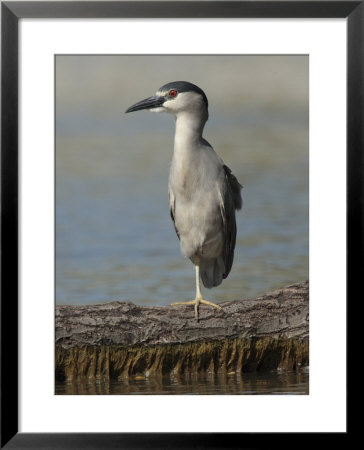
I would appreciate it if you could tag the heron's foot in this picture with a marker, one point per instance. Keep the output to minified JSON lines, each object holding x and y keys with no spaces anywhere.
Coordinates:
{"x":196,"y":303}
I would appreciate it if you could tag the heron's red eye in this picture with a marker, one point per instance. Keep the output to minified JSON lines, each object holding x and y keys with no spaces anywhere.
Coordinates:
{"x":172,"y":93}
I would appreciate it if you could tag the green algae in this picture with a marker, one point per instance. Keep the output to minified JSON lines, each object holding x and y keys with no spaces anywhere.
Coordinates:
{"x":206,"y":357}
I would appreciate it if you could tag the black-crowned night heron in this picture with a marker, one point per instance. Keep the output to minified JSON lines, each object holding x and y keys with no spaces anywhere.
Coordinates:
{"x":203,"y":193}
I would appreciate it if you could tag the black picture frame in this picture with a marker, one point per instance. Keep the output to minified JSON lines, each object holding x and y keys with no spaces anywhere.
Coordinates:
{"x":11,"y":12}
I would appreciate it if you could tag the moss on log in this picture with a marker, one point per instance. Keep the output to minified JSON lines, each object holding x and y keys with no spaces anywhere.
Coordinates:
{"x":119,"y":340}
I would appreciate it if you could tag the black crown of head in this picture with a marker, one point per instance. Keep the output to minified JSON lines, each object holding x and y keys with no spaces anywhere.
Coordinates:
{"x":184,"y":86}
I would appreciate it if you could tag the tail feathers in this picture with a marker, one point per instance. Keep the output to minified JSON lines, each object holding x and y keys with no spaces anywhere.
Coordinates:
{"x":212,"y":271}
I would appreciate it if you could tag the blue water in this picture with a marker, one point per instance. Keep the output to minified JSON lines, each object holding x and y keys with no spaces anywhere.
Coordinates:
{"x":114,"y":236}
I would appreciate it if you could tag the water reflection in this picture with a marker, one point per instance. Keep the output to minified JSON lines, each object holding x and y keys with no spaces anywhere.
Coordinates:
{"x":295,"y":383}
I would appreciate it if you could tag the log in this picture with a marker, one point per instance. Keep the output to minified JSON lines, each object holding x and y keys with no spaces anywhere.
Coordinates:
{"x":119,"y":340}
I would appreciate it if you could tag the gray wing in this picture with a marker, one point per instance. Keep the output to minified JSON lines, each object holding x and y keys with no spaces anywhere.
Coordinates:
{"x":235,"y":187}
{"x":172,"y":205}
{"x":230,"y":200}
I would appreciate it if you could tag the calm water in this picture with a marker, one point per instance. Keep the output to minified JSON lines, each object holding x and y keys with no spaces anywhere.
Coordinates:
{"x":288,"y":383}
{"x":114,"y":236}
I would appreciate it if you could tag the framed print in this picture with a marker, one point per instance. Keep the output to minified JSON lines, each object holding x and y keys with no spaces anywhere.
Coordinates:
{"x":90,"y":262}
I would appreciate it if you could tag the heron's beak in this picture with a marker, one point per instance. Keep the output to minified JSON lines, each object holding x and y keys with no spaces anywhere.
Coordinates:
{"x":147,"y":103}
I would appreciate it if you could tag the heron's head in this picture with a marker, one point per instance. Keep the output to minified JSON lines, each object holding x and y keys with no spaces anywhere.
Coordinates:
{"x":175,"y":98}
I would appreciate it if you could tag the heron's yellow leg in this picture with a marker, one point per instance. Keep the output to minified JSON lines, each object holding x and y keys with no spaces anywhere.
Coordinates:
{"x":199,"y":299}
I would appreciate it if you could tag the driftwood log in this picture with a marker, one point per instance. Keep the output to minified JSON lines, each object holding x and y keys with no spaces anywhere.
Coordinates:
{"x":120,"y":340}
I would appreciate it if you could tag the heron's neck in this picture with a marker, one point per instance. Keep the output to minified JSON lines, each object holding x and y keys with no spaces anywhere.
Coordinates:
{"x":188,"y":135}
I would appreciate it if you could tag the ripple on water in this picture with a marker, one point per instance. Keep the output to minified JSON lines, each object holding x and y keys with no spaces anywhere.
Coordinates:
{"x":255,"y":383}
